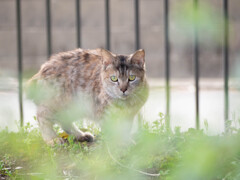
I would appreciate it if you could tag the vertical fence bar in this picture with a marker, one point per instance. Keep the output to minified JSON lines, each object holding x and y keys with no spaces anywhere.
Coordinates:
{"x":107,"y":19}
{"x":78,"y":23}
{"x":137,"y":29}
{"x":48,"y":20}
{"x":226,"y":63}
{"x":19,"y":50}
{"x":167,"y":61}
{"x":196,"y":62}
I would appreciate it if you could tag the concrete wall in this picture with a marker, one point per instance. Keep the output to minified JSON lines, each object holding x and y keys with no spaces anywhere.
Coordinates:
{"x":122,"y":34}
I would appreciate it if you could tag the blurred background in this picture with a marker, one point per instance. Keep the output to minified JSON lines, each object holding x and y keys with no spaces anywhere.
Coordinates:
{"x":123,"y":41}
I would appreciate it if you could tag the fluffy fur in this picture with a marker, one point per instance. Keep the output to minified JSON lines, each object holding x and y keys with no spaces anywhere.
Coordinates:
{"x":83,"y":77}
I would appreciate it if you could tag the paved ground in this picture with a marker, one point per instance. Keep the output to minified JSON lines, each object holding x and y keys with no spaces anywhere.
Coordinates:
{"x":182,"y":105}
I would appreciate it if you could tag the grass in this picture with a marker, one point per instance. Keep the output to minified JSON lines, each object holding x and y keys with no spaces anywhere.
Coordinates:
{"x":173,"y":155}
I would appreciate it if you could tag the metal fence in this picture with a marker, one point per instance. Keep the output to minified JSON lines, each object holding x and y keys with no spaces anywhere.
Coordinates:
{"x":225,"y":37}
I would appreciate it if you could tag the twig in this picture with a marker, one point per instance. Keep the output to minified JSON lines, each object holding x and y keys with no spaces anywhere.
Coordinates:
{"x":120,"y":164}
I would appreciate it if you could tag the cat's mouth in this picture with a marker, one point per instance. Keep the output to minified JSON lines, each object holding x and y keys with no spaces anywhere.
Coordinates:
{"x":123,"y":96}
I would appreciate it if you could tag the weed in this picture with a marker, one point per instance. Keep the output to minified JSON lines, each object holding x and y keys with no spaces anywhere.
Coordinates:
{"x":173,"y":155}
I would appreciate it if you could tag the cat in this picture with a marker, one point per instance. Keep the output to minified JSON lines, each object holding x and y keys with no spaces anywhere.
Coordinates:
{"x":97,"y":78}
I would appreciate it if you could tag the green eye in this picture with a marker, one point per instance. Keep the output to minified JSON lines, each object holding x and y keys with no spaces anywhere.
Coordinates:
{"x":132,"y":78}
{"x":114,"y":78}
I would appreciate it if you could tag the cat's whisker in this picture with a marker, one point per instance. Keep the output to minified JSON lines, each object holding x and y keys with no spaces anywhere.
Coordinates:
{"x":136,"y":96}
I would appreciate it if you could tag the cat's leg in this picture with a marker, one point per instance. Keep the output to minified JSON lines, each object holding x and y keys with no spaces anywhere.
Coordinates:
{"x":71,"y":129}
{"x":46,"y":126}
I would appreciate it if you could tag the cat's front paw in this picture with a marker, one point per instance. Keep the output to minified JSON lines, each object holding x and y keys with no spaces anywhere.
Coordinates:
{"x":86,"y":137}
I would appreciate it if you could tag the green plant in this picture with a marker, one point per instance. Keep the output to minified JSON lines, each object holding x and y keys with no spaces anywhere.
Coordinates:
{"x":156,"y":151}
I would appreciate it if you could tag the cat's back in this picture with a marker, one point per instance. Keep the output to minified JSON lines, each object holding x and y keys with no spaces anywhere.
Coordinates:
{"x":71,"y":63}
{"x":71,"y":71}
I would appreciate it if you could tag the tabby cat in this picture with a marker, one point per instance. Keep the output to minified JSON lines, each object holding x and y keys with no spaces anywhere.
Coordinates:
{"x":94,"y":80}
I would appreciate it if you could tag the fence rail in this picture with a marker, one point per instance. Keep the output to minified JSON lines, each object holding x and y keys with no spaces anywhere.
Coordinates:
{"x":49,"y":29}
{"x":107,"y":19}
{"x":19,"y":50}
{"x":196,"y":62}
{"x":137,"y":46}
{"x":78,"y":22}
{"x":226,"y":62}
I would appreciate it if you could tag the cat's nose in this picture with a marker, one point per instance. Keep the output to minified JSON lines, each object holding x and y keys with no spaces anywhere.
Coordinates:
{"x":123,"y":89}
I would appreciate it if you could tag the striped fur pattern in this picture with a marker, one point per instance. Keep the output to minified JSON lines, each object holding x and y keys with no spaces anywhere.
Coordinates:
{"x":83,"y":77}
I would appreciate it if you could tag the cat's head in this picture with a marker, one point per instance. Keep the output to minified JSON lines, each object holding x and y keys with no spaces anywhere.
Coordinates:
{"x":122,"y":74}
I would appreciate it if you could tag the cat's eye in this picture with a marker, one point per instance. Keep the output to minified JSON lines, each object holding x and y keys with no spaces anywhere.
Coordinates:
{"x":132,"y":78}
{"x":114,"y":78}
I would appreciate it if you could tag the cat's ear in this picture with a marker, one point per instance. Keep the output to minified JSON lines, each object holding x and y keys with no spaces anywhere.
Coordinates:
{"x":107,"y":57}
{"x":138,"y":58}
